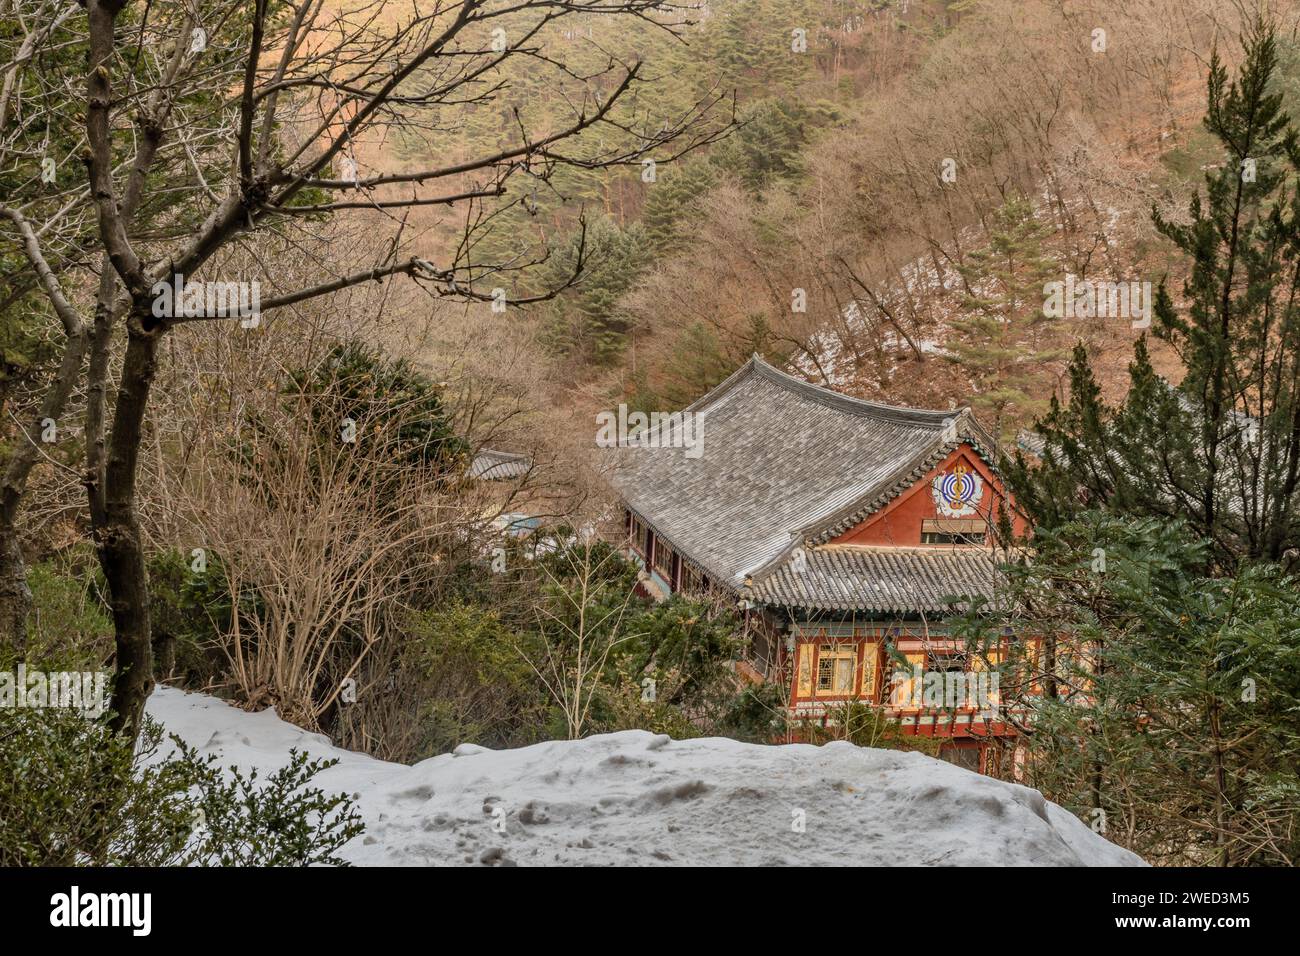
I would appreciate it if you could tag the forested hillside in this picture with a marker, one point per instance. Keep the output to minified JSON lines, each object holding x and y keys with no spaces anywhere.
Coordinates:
{"x":834,"y":226}
{"x":474,"y":225}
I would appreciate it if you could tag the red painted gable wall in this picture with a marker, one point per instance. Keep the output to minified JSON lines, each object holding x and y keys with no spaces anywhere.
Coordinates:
{"x":899,"y":522}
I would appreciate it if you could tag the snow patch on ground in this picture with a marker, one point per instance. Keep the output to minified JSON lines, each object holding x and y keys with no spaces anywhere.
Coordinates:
{"x":637,"y":798}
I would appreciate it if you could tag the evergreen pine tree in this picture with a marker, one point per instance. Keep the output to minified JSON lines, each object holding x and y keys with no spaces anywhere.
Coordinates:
{"x":588,"y":321}
{"x":1004,"y":341}
{"x":1164,"y":700}
{"x":669,"y":201}
{"x":1222,"y":447}
{"x":1171,"y":723}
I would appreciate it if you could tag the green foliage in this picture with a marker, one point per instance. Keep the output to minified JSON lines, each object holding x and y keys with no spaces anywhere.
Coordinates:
{"x":1170,"y":699}
{"x":751,"y":45}
{"x":668,"y":205}
{"x":757,"y":714}
{"x":282,"y":822}
{"x":666,"y":665}
{"x":570,"y":644}
{"x":44,"y":123}
{"x":684,"y":644}
{"x":866,"y":726}
{"x":766,"y":149}
{"x":1221,"y":448}
{"x":743,"y":47}
{"x":1003,"y":340}
{"x":588,"y":321}
{"x":623,"y":704}
{"x":700,"y":361}
{"x":68,"y":627}
{"x":389,"y":401}
{"x":613,"y":575}
{"x":25,"y":348}
{"x":27,"y":323}
{"x":1175,"y":707}
{"x":642,"y":397}
{"x":670,"y":673}
{"x":1286,"y":78}
{"x":474,"y":685}
{"x":187,"y":611}
{"x":75,"y":795}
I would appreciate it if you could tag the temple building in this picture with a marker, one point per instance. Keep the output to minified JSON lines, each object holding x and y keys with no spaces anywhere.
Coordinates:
{"x":842,"y":527}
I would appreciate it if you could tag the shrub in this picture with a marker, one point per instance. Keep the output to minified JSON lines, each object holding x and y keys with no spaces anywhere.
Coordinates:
{"x":67,"y":623}
{"x":188,"y":612}
{"x":473,"y":684}
{"x":75,"y":794}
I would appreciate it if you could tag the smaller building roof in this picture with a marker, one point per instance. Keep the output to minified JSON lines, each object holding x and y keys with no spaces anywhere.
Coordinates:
{"x":493,"y":465}
{"x":876,"y":579}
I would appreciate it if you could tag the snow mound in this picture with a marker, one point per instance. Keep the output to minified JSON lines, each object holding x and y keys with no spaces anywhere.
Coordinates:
{"x":637,"y":798}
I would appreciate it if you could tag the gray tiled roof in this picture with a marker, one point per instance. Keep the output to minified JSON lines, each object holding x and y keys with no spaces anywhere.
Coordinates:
{"x":491,"y":465}
{"x":1031,"y":442}
{"x":783,"y":463}
{"x":846,"y":578}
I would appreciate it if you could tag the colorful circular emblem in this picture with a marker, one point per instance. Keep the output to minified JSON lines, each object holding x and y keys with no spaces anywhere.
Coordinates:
{"x":957,"y":493}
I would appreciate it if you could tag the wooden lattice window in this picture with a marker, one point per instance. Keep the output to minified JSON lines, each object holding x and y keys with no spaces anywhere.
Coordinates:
{"x":663,"y":559}
{"x":835,"y":671}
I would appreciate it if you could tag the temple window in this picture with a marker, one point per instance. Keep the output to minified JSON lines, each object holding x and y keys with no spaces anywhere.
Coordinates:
{"x":637,"y":532}
{"x":835,"y":669}
{"x":663,"y":559}
{"x":953,"y":530}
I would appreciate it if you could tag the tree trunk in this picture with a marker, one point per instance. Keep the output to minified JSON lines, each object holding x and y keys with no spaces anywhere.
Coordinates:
{"x":117,"y":532}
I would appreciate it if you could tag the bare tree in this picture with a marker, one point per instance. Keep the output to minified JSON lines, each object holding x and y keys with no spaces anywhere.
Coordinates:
{"x":577,"y":634}
{"x":319,"y":539}
{"x":265,"y":105}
